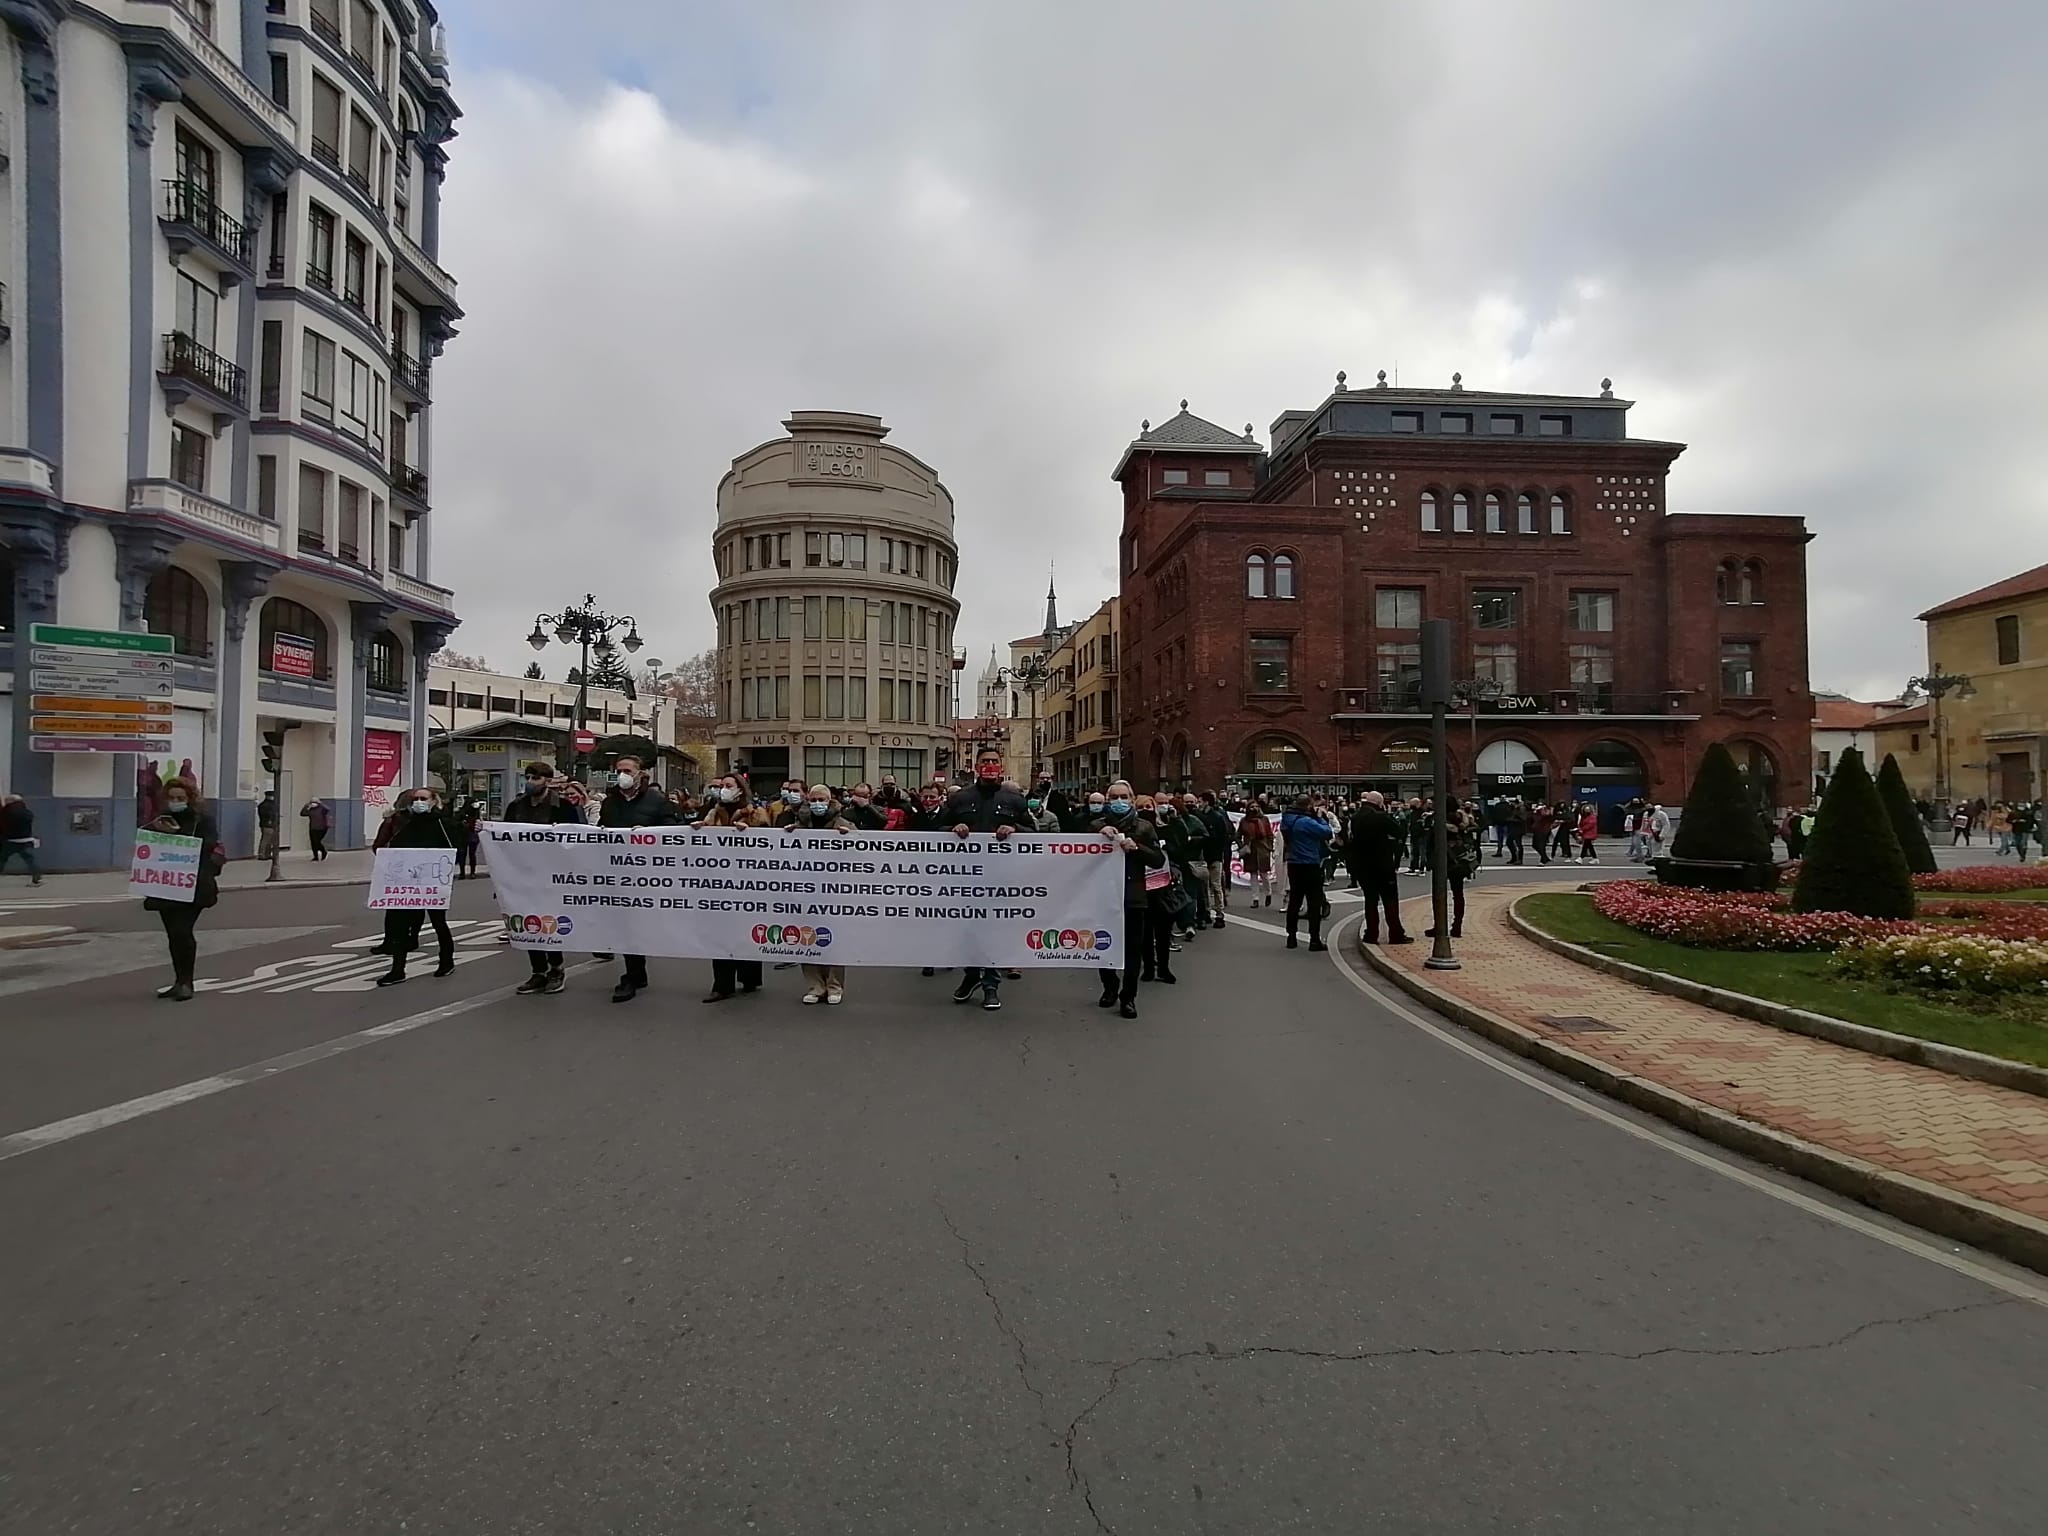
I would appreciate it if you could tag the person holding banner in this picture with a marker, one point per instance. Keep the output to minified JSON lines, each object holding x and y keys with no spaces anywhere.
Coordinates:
{"x":986,"y":807}
{"x":542,"y":805}
{"x":731,"y":807}
{"x":821,"y":813}
{"x":417,"y":823}
{"x":184,"y":817}
{"x":1122,"y":825}
{"x":631,"y":802}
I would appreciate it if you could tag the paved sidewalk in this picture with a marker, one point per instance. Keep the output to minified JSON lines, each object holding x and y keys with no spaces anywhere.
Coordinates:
{"x":1911,"y":1125}
{"x":343,"y":867}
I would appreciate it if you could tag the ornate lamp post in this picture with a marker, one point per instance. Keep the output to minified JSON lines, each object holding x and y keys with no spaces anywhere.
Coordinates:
{"x":1936,"y":685}
{"x":1031,"y":676}
{"x":590,"y":627}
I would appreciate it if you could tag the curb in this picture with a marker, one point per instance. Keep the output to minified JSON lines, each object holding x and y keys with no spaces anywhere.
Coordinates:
{"x":1952,"y":1059}
{"x":1966,"y":1219}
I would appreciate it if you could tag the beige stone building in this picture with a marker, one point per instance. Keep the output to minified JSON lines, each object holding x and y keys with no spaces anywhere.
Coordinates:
{"x":836,"y":561}
{"x":1988,"y":736}
{"x":1081,"y":727}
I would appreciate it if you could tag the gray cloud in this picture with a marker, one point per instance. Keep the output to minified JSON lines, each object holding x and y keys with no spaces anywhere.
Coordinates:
{"x":1805,"y":239}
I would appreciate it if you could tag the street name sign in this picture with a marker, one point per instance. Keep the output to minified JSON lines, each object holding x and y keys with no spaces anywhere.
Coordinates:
{"x":99,"y":690}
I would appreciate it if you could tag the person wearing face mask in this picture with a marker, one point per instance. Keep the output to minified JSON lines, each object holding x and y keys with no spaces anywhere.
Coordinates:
{"x":184,"y":815}
{"x":788,"y":805}
{"x":930,"y":814}
{"x":542,"y":805}
{"x":1178,"y":839}
{"x":984,"y":807}
{"x":821,"y":813}
{"x":731,"y":807}
{"x":1120,"y":823}
{"x":1155,"y":953}
{"x":1039,"y":815}
{"x":633,"y":802}
{"x":417,"y":823}
{"x":862,"y":810}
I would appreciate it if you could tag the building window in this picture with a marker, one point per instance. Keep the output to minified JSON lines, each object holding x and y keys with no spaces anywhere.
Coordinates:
{"x":1407,"y":421}
{"x":814,"y":549}
{"x":2008,"y":627}
{"x":320,"y":248}
{"x":1429,"y":513}
{"x":266,"y":486}
{"x":1738,"y":668}
{"x":814,"y":698}
{"x":1457,"y":423}
{"x":281,"y":80}
{"x":188,"y":456}
{"x":282,"y":616}
{"x":1272,"y":664}
{"x":349,"y":525}
{"x":904,"y":764}
{"x":1591,"y":670}
{"x":198,"y":310}
{"x":1505,"y":425}
{"x":1560,"y":513}
{"x":326,"y":121}
{"x":358,"y":407}
{"x":1215,"y":477}
{"x":1461,"y":513}
{"x":201,"y":12}
{"x":316,"y":378}
{"x":1553,"y":426}
{"x":1591,"y":611}
{"x":1397,"y":674}
{"x":355,"y":262}
{"x":836,"y":767}
{"x":1494,"y":514}
{"x":1496,"y":608}
{"x":1283,"y":575}
{"x":1175,"y":477}
{"x":177,"y":606}
{"x":1397,"y":608}
{"x":386,"y":672}
{"x":1739,"y":584}
{"x":1525,"y":513}
{"x":270,"y":375}
{"x":1495,"y":660}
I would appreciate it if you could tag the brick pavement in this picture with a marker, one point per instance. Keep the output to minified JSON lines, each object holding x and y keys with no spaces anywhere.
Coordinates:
{"x":1986,"y":1142}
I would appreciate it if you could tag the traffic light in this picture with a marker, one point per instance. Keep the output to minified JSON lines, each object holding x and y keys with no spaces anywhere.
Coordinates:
{"x":273,"y":753}
{"x":942,"y":758}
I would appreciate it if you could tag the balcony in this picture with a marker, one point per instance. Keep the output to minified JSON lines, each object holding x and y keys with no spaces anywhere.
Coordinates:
{"x":408,"y":483}
{"x":206,"y":518}
{"x":326,"y":153}
{"x":190,"y":371}
{"x":223,"y":90}
{"x":320,"y":277}
{"x":409,"y":373}
{"x":192,"y":220}
{"x":326,"y":28}
{"x":429,"y":277}
{"x":360,"y":180}
{"x":1369,"y":703}
{"x":424,"y":594}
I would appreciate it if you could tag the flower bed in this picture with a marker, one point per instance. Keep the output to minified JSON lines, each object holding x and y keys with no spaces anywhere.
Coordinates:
{"x":1734,"y":919}
{"x":1960,"y":962}
{"x":1985,"y":878}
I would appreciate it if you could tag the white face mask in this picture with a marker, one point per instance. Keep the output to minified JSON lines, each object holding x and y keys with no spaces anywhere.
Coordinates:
{"x":821,"y":807}
{"x":421,"y":807}
{"x":178,"y":805}
{"x":792,"y":797}
{"x":728,"y":794}
{"x":625,"y":778}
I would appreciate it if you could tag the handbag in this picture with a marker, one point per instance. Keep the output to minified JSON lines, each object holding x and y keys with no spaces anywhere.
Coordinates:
{"x":1158,"y":879}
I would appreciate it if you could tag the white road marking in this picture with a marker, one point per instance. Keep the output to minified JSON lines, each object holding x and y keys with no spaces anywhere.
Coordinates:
{"x":20,"y":1143}
{"x":344,"y":967}
{"x":1925,"y":1248}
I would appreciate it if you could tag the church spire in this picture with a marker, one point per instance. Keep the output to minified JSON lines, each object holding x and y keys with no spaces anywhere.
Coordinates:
{"x":1052,"y":611}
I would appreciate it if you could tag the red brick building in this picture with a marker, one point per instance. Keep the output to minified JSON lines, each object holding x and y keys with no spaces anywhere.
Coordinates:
{"x":1273,"y":597}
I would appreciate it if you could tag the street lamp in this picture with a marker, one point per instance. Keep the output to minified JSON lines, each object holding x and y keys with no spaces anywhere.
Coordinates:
{"x":1471,"y":692}
{"x":1031,"y":676}
{"x":1937,"y":685}
{"x":590,"y":627}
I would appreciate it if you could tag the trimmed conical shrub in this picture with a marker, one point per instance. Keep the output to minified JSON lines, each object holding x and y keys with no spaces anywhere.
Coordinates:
{"x":1853,"y":862}
{"x":1720,"y":820}
{"x":1907,"y":826}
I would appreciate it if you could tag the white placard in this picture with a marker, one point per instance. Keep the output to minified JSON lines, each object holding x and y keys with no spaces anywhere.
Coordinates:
{"x":412,"y":879}
{"x":1033,"y":902}
{"x":165,"y":865}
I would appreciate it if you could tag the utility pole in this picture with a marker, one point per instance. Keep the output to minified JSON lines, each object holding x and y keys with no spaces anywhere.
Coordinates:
{"x":1437,"y":691}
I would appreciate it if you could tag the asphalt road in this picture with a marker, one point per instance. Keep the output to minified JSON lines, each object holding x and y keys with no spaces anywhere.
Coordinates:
{"x":1273,"y":1258}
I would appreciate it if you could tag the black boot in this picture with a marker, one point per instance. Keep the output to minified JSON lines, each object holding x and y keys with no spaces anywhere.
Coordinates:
{"x":447,"y":965}
{"x":392,"y":977}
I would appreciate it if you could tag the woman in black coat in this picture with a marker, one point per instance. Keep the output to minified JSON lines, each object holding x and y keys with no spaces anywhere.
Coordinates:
{"x":418,"y":822}
{"x":186,"y":816}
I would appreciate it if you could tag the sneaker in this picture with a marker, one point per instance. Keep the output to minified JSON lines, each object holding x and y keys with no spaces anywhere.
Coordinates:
{"x":625,"y":992}
{"x":390,"y":978}
{"x":1318,"y":947}
{"x":557,"y":980}
{"x":813,"y":996}
{"x":964,"y":993}
{"x":991,"y":1002}
{"x":719,"y":997}
{"x":1291,"y":944}
{"x":530,"y":986}
{"x":834,"y":997}
{"x":1127,"y":1011}
{"x":1219,"y":921}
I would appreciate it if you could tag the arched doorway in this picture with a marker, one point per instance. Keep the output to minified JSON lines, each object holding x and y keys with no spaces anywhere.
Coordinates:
{"x":1760,"y":771}
{"x":1273,"y":756}
{"x":1608,"y":774}
{"x":1403,"y":768}
{"x":1511,"y":767}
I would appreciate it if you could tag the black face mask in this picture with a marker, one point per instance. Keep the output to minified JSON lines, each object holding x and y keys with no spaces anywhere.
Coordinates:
{"x":536,"y":786}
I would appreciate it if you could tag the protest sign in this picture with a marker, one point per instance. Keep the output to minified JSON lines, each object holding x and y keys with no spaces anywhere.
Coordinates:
{"x":165,"y":865}
{"x":411,"y":879}
{"x":1033,"y":902}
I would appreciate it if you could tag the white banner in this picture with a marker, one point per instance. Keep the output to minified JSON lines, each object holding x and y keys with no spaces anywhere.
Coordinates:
{"x":165,"y":865}
{"x":412,"y":879}
{"x":1037,"y":901}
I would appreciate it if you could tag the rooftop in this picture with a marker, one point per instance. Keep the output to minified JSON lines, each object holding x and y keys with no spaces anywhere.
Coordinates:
{"x":1851,"y":714}
{"x":2026,"y":584}
{"x":1188,"y":433}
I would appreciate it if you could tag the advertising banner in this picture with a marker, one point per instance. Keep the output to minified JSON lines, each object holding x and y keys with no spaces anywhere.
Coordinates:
{"x":383,"y":759}
{"x":165,"y":865}
{"x":291,"y":655}
{"x":411,"y":879}
{"x":1032,"y":902}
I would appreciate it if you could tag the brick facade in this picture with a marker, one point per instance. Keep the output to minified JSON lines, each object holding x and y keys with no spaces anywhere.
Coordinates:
{"x":1336,"y":511}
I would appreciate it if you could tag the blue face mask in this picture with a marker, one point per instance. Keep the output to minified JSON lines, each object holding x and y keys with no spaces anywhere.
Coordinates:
{"x":791,"y":797}
{"x":1119,"y":807}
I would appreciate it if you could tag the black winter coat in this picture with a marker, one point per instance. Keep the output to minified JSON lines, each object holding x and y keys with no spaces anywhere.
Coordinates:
{"x":649,"y":808}
{"x":1149,"y":855}
{"x":207,"y":892}
{"x":984,"y":810}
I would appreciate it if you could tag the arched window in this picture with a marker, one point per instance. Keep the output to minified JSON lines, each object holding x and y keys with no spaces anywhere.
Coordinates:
{"x":387,"y":663}
{"x":1560,"y":513}
{"x":1749,"y":584}
{"x":1283,"y":575}
{"x":177,"y":606}
{"x":1270,"y":756}
{"x":1461,"y":513}
{"x":301,"y":630}
{"x":1494,"y":514}
{"x":1728,"y":584}
{"x":1429,"y":513}
{"x":1255,"y":575}
{"x":1525,"y":513}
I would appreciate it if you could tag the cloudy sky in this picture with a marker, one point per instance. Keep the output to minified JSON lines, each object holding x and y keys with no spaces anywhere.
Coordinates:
{"x":1807,"y":239}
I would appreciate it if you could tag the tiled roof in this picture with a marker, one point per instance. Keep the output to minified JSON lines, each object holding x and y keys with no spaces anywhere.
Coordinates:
{"x":1849,"y":715}
{"x":1917,"y":715}
{"x":1188,"y":430}
{"x":2026,"y":584}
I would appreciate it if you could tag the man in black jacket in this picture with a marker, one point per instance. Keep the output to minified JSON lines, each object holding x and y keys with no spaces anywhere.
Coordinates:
{"x":632,"y":802}
{"x":1374,"y":846}
{"x":984,"y":807}
{"x":1217,"y":837}
{"x":542,"y":806}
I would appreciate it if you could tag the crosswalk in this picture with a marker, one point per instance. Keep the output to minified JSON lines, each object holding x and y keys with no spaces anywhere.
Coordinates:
{"x":12,"y":905}
{"x":348,"y":967}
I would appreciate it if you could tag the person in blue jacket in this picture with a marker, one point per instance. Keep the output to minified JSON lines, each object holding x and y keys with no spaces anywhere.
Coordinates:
{"x":1305,"y":836}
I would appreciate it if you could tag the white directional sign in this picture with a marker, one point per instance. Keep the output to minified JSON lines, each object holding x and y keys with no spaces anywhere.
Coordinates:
{"x":99,"y":690}
{"x":102,"y":685}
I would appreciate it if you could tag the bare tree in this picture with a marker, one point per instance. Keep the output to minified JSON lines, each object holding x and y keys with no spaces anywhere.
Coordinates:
{"x":692,"y":684}
{"x":460,"y":661}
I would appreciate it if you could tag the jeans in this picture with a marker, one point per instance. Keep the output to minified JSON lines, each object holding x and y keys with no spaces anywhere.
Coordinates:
{"x":1586,"y":849}
{"x":1638,"y":847}
{"x":1154,"y":939}
{"x":180,"y":918}
{"x":1198,"y":886}
{"x":1305,"y":888}
{"x":266,"y":842}
{"x":1561,"y":845}
{"x":1418,"y":851}
{"x":23,"y":851}
{"x":728,"y":976}
{"x":1137,"y":957}
{"x":1514,"y":845}
{"x":1382,"y":889}
{"x":2019,"y":844}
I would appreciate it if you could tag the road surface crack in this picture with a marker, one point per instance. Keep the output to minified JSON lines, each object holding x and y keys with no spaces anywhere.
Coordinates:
{"x":1003,"y":1324}
{"x":1024,"y":1054}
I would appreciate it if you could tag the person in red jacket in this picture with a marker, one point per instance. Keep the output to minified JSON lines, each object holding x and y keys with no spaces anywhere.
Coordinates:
{"x":1589,"y":829}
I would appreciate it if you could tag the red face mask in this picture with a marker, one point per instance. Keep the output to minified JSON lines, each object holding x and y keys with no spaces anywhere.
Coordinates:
{"x":989,"y":773}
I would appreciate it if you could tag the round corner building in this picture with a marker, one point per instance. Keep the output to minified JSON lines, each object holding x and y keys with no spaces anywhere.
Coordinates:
{"x":835,"y":608}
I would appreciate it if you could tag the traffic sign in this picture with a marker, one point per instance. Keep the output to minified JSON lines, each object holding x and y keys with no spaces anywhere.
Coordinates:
{"x":586,"y":741}
{"x":99,"y":639}
{"x":148,"y":746}
{"x":100,"y":685}
{"x":100,"y":690}
{"x":78,"y":658}
{"x":78,"y":704}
